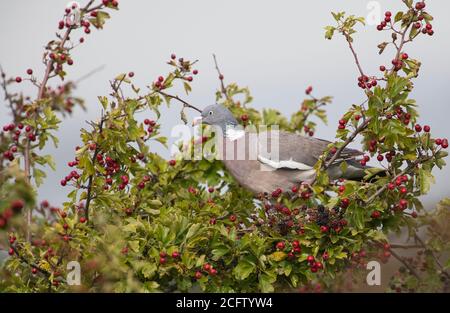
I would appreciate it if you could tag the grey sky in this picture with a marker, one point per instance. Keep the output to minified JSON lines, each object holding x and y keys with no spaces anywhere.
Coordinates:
{"x":276,"y":48}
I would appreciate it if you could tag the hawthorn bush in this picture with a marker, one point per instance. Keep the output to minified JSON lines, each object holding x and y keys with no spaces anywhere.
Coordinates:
{"x":137,"y":222}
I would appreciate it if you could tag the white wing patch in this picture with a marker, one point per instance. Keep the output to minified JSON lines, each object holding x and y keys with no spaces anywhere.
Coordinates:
{"x":285,"y":164}
{"x":234,"y":134}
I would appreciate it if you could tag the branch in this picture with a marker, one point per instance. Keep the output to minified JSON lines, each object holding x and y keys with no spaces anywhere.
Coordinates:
{"x":406,"y":264}
{"x":223,"y":90}
{"x":355,"y":56}
{"x":91,"y":178}
{"x":360,"y":128}
{"x":408,"y":169}
{"x":436,"y":259}
{"x":185,"y":104}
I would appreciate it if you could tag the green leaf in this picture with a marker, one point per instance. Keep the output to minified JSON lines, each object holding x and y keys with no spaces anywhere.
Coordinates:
{"x":243,"y":269}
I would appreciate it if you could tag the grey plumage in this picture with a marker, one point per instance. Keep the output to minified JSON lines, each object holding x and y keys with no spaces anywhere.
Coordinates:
{"x":297,"y":156}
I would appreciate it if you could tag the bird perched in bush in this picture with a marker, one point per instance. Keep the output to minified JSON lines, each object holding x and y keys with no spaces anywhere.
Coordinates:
{"x":262,"y":171}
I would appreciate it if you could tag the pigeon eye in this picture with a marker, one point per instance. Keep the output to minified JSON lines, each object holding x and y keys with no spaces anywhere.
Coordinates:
{"x":210,"y":112}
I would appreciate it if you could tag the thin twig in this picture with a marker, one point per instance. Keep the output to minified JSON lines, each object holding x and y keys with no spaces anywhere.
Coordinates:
{"x":436,"y":259}
{"x":223,"y":90}
{"x":185,"y":104}
{"x":406,"y":264}
{"x":91,"y":177}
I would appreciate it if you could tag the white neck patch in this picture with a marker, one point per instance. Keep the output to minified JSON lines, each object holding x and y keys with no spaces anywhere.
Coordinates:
{"x":234,"y":134}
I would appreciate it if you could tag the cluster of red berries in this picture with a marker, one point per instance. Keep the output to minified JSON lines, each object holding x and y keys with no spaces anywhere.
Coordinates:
{"x":151,"y":124}
{"x":15,"y":207}
{"x":72,"y":175}
{"x":208,"y":269}
{"x":428,"y":29}
{"x":442,"y":142}
{"x":294,"y":248}
{"x":308,"y":131}
{"x":185,"y":67}
{"x":113,"y":3}
{"x":387,"y":19}
{"x":60,"y":59}
{"x":16,"y":131}
{"x":365,"y":82}
{"x":342,"y":123}
{"x":163,"y":256}
{"x":313,"y":264}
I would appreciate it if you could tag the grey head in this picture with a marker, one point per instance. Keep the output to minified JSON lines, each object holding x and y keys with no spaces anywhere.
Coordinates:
{"x":218,"y":115}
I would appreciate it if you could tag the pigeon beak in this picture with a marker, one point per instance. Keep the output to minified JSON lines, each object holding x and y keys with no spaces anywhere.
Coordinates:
{"x":197,"y":120}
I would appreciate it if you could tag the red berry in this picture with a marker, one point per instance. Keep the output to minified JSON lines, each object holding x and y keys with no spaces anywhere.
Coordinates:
{"x":63,"y":182}
{"x":324,"y":229}
{"x":198,"y":275}
{"x":444,"y":143}
{"x":232,"y":218}
{"x":195,"y":72}
{"x":388,"y":13}
{"x":29,"y":71}
{"x":34,"y":270}
{"x":162,"y":260}
{"x":418,"y":128}
{"x":244,"y":117}
{"x":11,"y":251}
{"x":130,"y":74}
{"x":382,"y":68}
{"x":426,"y":128}
{"x":172,"y":162}
{"x":18,"y":79}
{"x":160,"y":79}
{"x":345,"y":202}
{"x":280,"y":245}
{"x":403,"y":204}
{"x":173,"y":56}
{"x":380,"y":157}
{"x":175,"y":254}
{"x":391,"y":186}
{"x":213,"y":272}
{"x":405,"y":56}
{"x":375,"y":214}
{"x":309,"y":90}
{"x":206,"y":266}
{"x":296,"y":244}
{"x":310,"y":258}
{"x":82,"y":219}
{"x":341,"y":188}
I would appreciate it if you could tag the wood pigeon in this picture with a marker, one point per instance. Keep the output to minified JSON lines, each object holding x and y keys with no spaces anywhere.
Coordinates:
{"x":256,"y":170}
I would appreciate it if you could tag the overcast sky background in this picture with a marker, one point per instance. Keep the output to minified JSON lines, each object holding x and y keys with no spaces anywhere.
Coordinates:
{"x":276,"y":48}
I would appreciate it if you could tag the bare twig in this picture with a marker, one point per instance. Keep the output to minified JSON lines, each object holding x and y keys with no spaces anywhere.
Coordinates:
{"x":436,"y":259}
{"x":405,"y":263}
{"x":185,"y":104}
{"x":223,"y":90}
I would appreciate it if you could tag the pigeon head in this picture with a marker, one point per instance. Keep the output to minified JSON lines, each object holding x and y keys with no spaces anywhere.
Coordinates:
{"x":218,"y":115}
